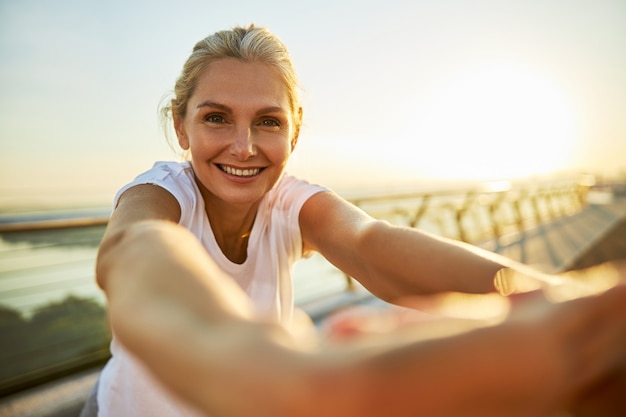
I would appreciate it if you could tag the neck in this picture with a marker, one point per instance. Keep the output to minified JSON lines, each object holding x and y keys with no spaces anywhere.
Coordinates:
{"x":231,"y":224}
{"x":231,"y":227}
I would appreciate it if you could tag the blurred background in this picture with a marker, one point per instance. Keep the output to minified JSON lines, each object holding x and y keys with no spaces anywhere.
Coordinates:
{"x":499,"y":123}
{"x":396,"y":94}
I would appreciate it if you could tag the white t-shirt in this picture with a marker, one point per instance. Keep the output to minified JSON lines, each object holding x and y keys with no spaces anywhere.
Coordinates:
{"x":275,"y":244}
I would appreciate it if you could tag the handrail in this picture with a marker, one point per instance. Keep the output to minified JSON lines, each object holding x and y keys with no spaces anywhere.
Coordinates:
{"x":526,"y":206}
{"x":573,"y":189}
{"x":503,"y":209}
{"x":49,"y":224}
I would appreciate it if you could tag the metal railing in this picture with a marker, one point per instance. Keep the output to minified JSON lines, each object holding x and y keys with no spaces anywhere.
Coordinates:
{"x":479,"y":214}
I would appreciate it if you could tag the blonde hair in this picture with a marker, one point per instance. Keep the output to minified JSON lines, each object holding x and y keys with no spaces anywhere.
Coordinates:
{"x":250,"y":44}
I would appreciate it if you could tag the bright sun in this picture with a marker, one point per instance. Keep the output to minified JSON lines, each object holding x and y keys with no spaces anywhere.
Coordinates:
{"x":497,"y":121}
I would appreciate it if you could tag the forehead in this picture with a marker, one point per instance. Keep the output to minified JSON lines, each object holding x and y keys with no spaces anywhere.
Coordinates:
{"x":237,"y":83}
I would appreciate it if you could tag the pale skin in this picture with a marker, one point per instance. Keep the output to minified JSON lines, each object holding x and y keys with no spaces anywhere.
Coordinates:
{"x":195,"y":329}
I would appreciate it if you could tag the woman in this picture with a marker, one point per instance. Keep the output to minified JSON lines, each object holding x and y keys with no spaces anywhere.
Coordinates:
{"x":196,"y":265}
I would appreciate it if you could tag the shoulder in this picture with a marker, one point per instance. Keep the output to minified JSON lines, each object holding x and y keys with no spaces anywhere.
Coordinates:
{"x":175,"y":177}
{"x":327,"y":217}
{"x":164,"y":169}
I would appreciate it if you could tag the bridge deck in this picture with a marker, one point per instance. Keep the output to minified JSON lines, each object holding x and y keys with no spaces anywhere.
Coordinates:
{"x":594,"y":235}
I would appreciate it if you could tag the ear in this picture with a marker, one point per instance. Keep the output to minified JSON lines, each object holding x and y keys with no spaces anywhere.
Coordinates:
{"x":296,"y":130}
{"x":179,"y":128}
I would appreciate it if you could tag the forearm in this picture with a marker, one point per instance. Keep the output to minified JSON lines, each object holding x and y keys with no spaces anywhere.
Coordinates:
{"x":488,"y":372}
{"x":405,"y":261}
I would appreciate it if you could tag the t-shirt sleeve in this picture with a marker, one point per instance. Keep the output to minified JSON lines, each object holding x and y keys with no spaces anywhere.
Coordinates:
{"x":169,"y":176}
{"x":294,"y":194}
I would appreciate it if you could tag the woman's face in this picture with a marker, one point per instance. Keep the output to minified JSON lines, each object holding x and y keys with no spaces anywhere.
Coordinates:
{"x":238,"y":129}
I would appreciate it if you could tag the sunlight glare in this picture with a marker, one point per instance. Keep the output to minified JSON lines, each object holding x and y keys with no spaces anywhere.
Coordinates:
{"x":500,"y":121}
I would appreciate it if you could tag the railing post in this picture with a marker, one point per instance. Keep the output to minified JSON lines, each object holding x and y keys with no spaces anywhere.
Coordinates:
{"x":349,"y":283}
{"x":460,"y":214}
{"x":519,"y":217}
{"x":420,"y":211}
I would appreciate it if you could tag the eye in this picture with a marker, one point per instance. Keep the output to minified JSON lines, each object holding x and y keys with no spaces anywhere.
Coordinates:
{"x":270,"y":122}
{"x":214,"y":118}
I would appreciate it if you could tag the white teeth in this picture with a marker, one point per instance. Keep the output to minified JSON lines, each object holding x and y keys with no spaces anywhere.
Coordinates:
{"x":241,"y":172}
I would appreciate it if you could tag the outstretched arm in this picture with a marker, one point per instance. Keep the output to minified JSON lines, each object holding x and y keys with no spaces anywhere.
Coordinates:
{"x":393,"y":261}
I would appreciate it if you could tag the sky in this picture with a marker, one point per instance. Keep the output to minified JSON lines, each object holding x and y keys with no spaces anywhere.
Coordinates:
{"x":395,"y":93}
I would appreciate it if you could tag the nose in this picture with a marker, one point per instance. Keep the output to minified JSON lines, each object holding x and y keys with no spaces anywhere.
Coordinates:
{"x":243,"y":146}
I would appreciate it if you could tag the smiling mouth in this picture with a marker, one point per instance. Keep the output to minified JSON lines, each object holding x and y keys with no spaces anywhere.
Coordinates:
{"x":237,"y":172}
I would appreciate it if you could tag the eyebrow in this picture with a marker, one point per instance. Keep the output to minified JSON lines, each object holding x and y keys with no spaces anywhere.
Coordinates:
{"x":213,"y":104}
{"x":223,"y":107}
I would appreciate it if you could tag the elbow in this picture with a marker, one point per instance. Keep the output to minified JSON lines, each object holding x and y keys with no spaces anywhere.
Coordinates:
{"x":400,"y":261}
{"x":378,"y":271}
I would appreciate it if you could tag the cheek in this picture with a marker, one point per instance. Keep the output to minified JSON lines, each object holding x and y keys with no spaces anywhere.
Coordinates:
{"x":276,"y":148}
{"x":203,"y":150}
{"x":283,"y":152}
